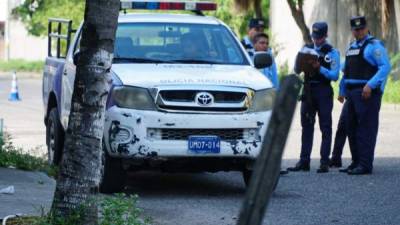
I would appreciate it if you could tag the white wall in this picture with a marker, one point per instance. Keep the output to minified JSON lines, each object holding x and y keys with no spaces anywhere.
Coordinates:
{"x":25,"y":46}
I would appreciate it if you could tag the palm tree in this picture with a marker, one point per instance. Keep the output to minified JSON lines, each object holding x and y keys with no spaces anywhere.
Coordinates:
{"x":79,"y":173}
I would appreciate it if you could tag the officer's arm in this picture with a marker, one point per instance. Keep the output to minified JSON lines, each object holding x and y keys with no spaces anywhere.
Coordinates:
{"x":333,"y":73}
{"x":342,"y":87}
{"x":379,"y":56}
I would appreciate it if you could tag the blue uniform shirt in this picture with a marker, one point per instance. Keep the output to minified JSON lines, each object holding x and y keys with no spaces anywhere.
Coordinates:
{"x":333,"y":72}
{"x":334,"y":57}
{"x":376,"y":54}
{"x":248,"y":45}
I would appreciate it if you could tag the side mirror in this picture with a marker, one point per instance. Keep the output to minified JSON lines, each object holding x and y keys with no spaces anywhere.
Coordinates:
{"x":262,"y":60}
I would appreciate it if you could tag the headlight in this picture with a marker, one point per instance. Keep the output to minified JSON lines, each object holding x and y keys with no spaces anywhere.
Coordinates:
{"x":263,"y":100}
{"x":133,"y":98}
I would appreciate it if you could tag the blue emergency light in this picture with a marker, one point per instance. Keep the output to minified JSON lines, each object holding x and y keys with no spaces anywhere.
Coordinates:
{"x":168,"y":5}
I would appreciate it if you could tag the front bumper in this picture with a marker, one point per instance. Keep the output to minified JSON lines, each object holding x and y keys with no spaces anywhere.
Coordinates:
{"x":139,"y":134}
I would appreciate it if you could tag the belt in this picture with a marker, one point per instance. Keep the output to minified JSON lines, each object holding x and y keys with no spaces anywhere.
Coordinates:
{"x":355,"y":86}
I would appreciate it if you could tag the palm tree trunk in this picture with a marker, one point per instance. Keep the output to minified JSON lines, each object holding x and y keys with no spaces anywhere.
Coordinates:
{"x":79,"y":173}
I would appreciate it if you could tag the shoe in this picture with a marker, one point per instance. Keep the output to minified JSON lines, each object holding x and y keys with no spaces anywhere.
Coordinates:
{"x":359,"y":170}
{"x":300,"y":166}
{"x":283,"y":172}
{"x":350,"y":167}
{"x":335,"y":163}
{"x":323,"y":168}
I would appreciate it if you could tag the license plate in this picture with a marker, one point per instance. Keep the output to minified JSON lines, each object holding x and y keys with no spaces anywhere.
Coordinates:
{"x":204,"y":144}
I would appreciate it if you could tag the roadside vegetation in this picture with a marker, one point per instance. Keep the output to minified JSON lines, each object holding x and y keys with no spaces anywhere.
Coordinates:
{"x":13,"y":157}
{"x":120,"y":209}
{"x":20,"y":65}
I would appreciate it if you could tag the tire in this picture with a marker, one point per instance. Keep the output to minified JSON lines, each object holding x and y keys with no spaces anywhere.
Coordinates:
{"x":247,"y":176}
{"x":112,"y":174}
{"x":54,"y":138}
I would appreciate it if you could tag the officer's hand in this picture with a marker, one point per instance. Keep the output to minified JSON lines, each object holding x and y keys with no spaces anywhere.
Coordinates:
{"x":366,"y":94}
{"x":316,"y":65}
{"x":340,"y":99}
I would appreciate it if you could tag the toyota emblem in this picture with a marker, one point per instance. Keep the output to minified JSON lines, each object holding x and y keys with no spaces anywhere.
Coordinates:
{"x":204,"y":98}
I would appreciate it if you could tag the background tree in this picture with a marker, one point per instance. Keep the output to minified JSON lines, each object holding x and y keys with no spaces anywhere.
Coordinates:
{"x":79,"y":175}
{"x":296,"y":8}
{"x":35,"y":13}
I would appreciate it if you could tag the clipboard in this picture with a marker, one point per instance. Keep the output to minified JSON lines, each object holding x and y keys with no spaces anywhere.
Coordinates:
{"x":304,"y":63}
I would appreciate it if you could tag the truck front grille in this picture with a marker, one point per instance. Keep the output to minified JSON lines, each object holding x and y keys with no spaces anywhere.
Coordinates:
{"x":183,"y":134}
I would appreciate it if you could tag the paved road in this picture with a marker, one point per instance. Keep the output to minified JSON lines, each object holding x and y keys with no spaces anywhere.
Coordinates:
{"x":194,"y":199}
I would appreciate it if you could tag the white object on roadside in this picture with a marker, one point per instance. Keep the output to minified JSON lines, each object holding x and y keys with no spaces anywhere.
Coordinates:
{"x":7,"y":190}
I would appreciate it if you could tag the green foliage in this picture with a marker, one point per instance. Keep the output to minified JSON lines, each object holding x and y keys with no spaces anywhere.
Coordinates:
{"x":35,"y":13}
{"x":11,"y":156}
{"x":121,"y":209}
{"x":235,"y":20}
{"x":392,"y":91}
{"x":21,"y":65}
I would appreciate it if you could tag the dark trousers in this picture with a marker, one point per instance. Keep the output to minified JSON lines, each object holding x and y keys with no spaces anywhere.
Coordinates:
{"x":341,"y":135}
{"x":363,"y":122}
{"x":321,"y":104}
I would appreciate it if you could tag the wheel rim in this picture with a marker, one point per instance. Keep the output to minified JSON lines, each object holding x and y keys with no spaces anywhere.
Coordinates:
{"x":52,"y":142}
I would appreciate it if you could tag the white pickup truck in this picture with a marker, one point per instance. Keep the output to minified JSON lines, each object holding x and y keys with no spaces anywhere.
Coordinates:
{"x":185,"y":97}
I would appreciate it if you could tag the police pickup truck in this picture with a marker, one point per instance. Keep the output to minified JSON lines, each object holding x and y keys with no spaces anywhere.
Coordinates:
{"x":185,"y":96}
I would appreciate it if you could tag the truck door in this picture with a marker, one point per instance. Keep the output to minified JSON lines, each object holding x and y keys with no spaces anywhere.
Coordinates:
{"x":68,"y":79}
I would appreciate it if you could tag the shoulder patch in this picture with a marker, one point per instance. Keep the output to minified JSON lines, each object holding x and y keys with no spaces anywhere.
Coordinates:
{"x":377,"y":52}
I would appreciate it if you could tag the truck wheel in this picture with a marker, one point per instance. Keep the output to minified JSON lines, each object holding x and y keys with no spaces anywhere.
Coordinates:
{"x":54,"y":138}
{"x":247,"y":175}
{"x":112,"y":174}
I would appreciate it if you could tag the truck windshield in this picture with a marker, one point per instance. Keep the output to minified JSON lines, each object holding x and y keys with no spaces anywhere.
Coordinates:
{"x":176,"y":43}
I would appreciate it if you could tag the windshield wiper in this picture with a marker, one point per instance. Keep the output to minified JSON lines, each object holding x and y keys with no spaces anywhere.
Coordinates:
{"x":138,"y":60}
{"x":196,"y":61}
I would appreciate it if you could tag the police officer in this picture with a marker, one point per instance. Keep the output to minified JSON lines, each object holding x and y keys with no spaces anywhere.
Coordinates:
{"x":261,"y":44}
{"x":255,"y":26}
{"x":318,"y":98}
{"x":366,"y":69}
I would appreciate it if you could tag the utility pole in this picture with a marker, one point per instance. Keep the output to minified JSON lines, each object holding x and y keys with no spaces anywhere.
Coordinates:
{"x":397,"y":14}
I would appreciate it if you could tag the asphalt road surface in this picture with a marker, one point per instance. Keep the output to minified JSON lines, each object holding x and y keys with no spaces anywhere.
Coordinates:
{"x":205,"y":198}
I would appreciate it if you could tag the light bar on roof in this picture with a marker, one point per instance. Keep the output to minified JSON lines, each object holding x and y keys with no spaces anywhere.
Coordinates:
{"x":169,"y":5}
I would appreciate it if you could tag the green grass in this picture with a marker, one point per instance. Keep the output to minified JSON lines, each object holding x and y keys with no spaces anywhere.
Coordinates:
{"x":21,"y":65}
{"x":11,"y":156}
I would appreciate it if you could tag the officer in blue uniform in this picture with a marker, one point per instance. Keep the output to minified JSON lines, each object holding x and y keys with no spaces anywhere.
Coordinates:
{"x":261,"y":44}
{"x":255,"y":26}
{"x":318,"y":98}
{"x":366,"y":69}
{"x":341,"y":134}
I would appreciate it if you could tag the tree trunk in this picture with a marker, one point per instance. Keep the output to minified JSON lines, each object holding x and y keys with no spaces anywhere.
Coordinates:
{"x":79,"y":174}
{"x":257,"y":9}
{"x":298,"y":16}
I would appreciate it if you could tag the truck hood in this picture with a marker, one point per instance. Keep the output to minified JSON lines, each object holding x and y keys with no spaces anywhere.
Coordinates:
{"x":154,"y":75}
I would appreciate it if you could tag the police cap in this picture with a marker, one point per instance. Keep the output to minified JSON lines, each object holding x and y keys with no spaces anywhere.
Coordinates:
{"x":319,"y":30}
{"x":256,"y":22}
{"x":358,"y":22}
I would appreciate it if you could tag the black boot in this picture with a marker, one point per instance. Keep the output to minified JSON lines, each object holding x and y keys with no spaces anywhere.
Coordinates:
{"x":303,"y":166}
{"x":350,"y":167}
{"x":323,"y":168}
{"x":335,"y":163}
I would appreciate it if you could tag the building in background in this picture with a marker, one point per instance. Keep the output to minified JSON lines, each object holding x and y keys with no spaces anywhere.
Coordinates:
{"x":15,"y":42}
{"x":336,"y":13}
